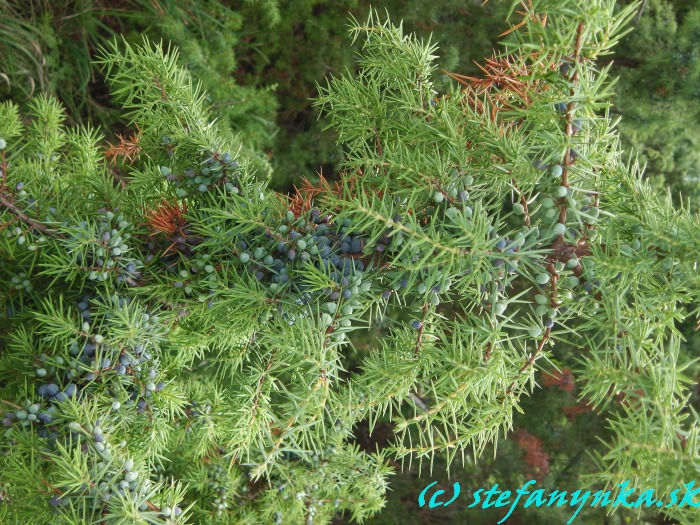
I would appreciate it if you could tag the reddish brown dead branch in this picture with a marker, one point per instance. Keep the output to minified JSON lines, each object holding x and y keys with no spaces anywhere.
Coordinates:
{"x":535,"y":456}
{"x":573,"y":411}
{"x":127,"y":148}
{"x":303,"y":199}
{"x":562,"y":379}
{"x":168,"y":219}
{"x":506,"y":84}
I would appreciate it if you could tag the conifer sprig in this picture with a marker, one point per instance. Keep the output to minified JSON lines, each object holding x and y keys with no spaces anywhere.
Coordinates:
{"x":179,"y":350}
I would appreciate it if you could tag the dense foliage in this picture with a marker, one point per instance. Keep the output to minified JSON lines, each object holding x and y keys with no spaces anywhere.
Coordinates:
{"x":658,"y":95}
{"x":49,"y":47}
{"x":181,"y":344}
{"x":259,"y":62}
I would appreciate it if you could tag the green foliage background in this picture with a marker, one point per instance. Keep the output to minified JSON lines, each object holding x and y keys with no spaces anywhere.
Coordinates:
{"x":260,"y":62}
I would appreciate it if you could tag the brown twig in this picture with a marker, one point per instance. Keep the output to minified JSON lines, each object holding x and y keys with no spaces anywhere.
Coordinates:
{"x":419,"y":339}
{"x":4,"y":201}
{"x":559,"y":242}
{"x":11,"y":404}
{"x":523,"y":201}
{"x":162,"y":91}
{"x":568,"y":161}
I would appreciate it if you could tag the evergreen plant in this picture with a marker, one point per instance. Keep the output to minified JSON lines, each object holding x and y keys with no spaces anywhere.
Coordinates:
{"x":177,"y":341}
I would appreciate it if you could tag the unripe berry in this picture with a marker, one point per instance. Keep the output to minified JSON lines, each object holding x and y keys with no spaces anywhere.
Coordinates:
{"x":518,"y":209}
{"x":559,"y":229}
{"x":572,"y":281}
{"x":541,"y":309}
{"x":535,"y":332}
{"x":542,"y":278}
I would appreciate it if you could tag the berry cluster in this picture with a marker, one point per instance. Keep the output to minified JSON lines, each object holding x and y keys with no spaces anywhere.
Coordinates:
{"x":120,"y":366}
{"x":217,"y":482}
{"x":94,"y":362}
{"x":217,"y":170}
{"x":110,"y":480}
{"x":278,"y":256}
{"x":279,"y":261}
{"x":102,"y":249}
{"x":36,"y":415}
{"x":21,"y":282}
{"x":456,"y":191}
